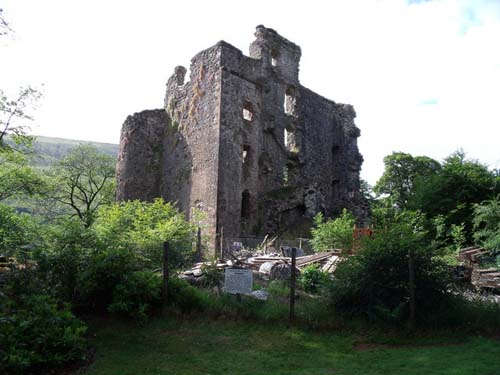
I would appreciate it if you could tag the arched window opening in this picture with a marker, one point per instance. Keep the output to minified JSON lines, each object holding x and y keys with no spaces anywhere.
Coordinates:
{"x":245,"y":205}
{"x":248,"y":111}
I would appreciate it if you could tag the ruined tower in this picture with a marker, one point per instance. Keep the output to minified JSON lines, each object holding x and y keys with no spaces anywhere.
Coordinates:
{"x":244,"y":142}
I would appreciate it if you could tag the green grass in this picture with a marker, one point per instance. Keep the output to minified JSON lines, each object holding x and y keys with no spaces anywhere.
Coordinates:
{"x":181,"y":347}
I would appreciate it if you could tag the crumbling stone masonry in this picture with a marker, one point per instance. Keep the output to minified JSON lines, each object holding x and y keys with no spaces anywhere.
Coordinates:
{"x":244,"y":142}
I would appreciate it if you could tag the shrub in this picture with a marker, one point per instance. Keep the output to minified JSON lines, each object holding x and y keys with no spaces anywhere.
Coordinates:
{"x":36,"y":333}
{"x":212,"y":276}
{"x":137,"y":295}
{"x":375,"y":283}
{"x":186,"y":297}
{"x":100,"y":273}
{"x":487,"y":224}
{"x":313,"y":279}
{"x":331,"y":234}
{"x":142,"y":227}
{"x":17,"y":231}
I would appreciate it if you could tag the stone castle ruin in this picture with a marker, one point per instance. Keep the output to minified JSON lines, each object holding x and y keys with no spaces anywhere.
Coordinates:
{"x":244,"y":142}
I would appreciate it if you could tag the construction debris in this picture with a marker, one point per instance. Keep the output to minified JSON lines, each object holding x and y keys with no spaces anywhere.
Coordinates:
{"x":273,"y":266}
{"x":481,"y":278}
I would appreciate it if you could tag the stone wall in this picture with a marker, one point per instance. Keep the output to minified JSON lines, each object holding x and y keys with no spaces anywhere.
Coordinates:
{"x":244,"y":142}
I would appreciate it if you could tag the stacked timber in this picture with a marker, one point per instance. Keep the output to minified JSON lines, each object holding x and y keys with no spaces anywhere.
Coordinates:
{"x":481,"y":278}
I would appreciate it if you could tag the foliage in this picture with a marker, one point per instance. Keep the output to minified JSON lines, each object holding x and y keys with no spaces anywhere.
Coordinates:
{"x":13,"y":115}
{"x":366,"y":191}
{"x":212,"y":276}
{"x":401,"y":172}
{"x":375,"y":282}
{"x":142,"y":228}
{"x":487,"y":224}
{"x":17,"y":177}
{"x":136,"y":295}
{"x":333,"y":234}
{"x":83,"y":181}
{"x":447,"y":240}
{"x":36,"y":334}
{"x":99,"y":273}
{"x":313,"y":279}
{"x":453,"y":191}
{"x":185,"y":297}
{"x":17,"y":231}
{"x":4,"y":25}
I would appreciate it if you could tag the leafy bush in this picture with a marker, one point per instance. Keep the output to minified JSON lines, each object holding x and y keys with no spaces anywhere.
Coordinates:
{"x":186,"y":297}
{"x":143,"y":227}
{"x":36,"y":334}
{"x":212,"y":276}
{"x":101,"y":272}
{"x":375,"y":282}
{"x":313,"y":279}
{"x":333,"y":234}
{"x":487,"y":224}
{"x":17,"y":232}
{"x":137,"y":295}
{"x":469,"y":316}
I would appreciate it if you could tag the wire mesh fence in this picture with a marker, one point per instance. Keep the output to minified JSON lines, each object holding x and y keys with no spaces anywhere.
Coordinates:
{"x":232,"y":247}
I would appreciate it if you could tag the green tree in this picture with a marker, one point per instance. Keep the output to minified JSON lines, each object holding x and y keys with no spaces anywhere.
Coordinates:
{"x":401,"y":172}
{"x":17,"y":231}
{"x":333,"y":234}
{"x":83,"y":181}
{"x":487,"y":224}
{"x":454,"y":190}
{"x":17,"y":177}
{"x":14,"y":115}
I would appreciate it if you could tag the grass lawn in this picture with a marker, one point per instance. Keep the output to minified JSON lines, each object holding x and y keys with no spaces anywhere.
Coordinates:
{"x":178,"y":347}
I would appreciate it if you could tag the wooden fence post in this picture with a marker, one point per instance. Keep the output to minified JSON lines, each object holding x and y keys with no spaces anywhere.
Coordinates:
{"x":166,"y":249}
{"x":292,"y":288}
{"x":198,"y":245}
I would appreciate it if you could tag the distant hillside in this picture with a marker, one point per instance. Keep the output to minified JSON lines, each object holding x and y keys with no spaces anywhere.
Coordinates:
{"x":49,"y":149}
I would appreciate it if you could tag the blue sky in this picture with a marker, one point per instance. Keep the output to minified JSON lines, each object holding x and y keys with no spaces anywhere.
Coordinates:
{"x":423,"y":76}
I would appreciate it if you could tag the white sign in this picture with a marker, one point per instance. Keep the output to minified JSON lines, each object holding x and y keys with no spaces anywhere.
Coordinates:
{"x":238,"y":281}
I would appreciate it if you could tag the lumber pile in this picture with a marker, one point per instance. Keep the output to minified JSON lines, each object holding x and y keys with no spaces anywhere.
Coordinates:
{"x":481,"y":278}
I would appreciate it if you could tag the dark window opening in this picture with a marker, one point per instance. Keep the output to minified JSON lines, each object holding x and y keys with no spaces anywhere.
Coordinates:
{"x":290,"y":101}
{"x":248,"y":111}
{"x":274,"y":57}
{"x":335,"y":152}
{"x":245,"y":204}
